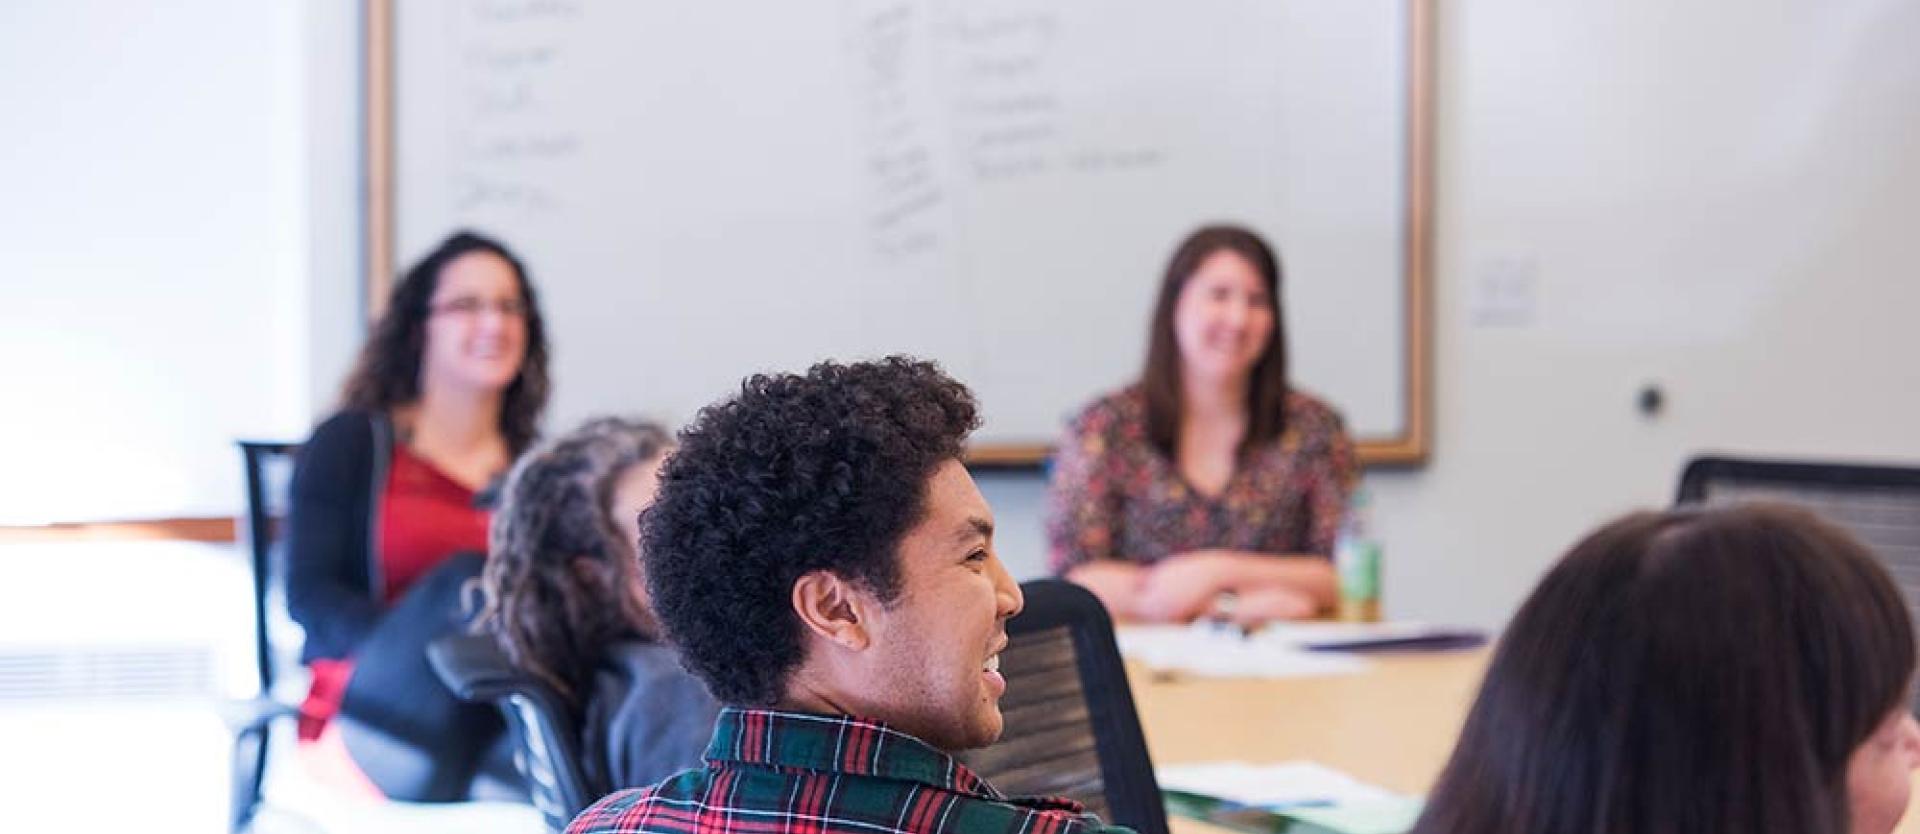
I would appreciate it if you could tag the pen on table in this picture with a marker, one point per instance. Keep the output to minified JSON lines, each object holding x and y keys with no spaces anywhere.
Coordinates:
{"x":1226,"y":626}
{"x":1219,"y":616}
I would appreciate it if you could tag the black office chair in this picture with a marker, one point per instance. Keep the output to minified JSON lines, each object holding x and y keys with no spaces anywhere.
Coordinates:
{"x":268,"y":468}
{"x":546,"y":739}
{"x":1877,"y":503}
{"x":1071,"y":729}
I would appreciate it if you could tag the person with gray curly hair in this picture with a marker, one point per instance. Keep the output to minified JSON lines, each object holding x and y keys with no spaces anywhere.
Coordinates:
{"x":566,"y":602}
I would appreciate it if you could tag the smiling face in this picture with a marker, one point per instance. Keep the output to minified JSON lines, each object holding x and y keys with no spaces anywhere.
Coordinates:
{"x":1223,"y":318}
{"x":936,"y":648}
{"x":1880,"y":774}
{"x":476,"y":325}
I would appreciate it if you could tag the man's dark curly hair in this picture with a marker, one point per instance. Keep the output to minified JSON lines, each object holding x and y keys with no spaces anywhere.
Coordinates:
{"x":796,"y":474}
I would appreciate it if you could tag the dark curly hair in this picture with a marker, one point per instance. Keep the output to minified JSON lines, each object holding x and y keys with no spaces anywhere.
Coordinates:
{"x":796,"y":474}
{"x":387,"y":374}
{"x":551,"y":616}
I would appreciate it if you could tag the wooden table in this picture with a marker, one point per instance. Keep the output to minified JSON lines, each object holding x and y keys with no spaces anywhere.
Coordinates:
{"x":1393,"y":725}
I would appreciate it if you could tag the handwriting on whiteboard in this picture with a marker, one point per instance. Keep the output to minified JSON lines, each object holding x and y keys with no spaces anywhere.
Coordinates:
{"x":509,"y":139}
{"x":907,"y":197}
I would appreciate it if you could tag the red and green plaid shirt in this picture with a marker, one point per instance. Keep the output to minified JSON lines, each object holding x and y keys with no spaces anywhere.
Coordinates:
{"x":792,"y":773}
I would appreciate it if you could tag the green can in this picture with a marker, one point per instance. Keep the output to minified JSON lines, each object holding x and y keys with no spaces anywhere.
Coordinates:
{"x":1358,"y":562}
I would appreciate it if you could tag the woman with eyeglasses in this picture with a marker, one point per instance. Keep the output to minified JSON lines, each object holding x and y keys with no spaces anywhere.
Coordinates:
{"x":389,"y":512}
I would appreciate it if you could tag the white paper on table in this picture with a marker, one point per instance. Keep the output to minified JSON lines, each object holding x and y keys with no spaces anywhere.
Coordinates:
{"x":1271,"y":786}
{"x":1212,"y":651}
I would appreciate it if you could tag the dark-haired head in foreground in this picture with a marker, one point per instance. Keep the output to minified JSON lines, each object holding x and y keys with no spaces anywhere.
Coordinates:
{"x":818,"y":545}
{"x":1741,"y":670}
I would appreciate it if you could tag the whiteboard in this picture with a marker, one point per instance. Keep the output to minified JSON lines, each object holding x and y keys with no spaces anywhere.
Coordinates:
{"x":706,"y":190}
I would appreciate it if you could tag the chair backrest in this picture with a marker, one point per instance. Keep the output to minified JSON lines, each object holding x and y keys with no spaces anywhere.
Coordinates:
{"x":1879,"y":504}
{"x":276,"y":639}
{"x":546,"y":737}
{"x":1071,"y":729}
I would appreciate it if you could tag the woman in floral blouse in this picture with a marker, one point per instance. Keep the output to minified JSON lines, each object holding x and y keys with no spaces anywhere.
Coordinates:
{"x":1211,"y":486}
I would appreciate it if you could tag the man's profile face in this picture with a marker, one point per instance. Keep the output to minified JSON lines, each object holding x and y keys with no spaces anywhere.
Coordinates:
{"x":937,"y":647}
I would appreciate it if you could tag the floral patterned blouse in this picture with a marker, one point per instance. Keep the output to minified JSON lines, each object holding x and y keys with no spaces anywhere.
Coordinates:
{"x":1115,"y":496}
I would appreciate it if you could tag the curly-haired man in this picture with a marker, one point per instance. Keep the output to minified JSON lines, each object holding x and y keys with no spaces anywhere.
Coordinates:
{"x":825,"y":563}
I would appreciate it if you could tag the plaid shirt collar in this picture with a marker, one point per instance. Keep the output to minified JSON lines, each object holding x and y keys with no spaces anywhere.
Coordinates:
{"x":839,"y":744}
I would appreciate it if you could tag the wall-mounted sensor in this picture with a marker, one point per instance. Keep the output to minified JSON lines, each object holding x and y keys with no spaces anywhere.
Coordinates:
{"x":1651,"y":400}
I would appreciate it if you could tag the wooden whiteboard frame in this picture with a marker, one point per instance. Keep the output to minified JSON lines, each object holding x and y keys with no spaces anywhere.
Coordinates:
{"x":1410,"y":448}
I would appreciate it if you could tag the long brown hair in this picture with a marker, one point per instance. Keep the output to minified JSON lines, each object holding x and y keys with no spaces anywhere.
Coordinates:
{"x":1685,"y":672}
{"x":1161,"y":381}
{"x":387,"y":374}
{"x":560,"y":580}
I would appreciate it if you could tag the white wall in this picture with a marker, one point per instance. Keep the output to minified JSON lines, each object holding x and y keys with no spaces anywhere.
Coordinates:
{"x":335,"y":178}
{"x":181,"y":219}
{"x":1716,"y":197}
{"x":152,"y":307}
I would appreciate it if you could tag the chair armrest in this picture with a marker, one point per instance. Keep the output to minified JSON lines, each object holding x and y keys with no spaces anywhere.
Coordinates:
{"x":252,"y":714}
{"x":473,"y":667}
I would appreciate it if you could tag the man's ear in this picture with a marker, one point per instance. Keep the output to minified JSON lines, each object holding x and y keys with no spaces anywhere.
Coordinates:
{"x":833,"y":609}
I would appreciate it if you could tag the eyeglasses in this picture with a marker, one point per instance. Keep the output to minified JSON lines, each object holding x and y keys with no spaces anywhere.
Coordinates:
{"x":468,"y":306}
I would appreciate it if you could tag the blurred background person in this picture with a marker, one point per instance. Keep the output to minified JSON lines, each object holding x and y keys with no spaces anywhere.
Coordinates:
{"x":1211,"y":485}
{"x":566,"y":601}
{"x":388,"y":516}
